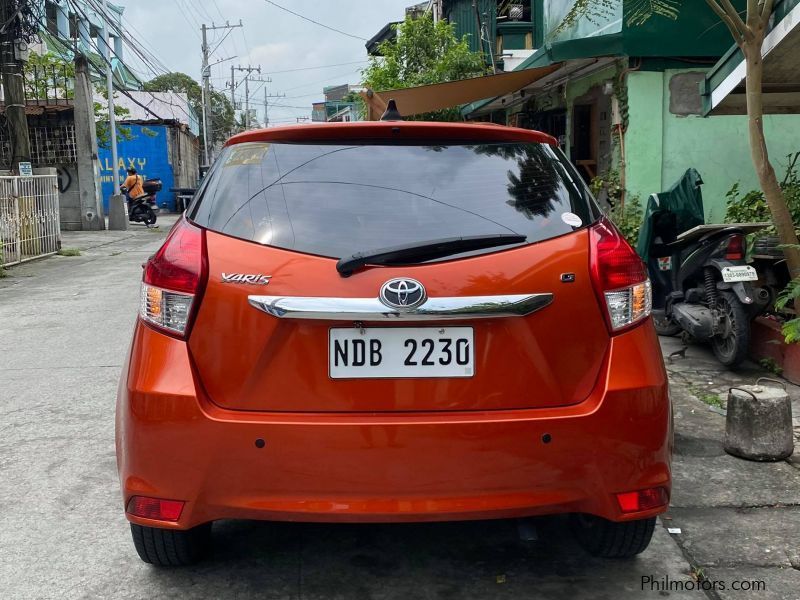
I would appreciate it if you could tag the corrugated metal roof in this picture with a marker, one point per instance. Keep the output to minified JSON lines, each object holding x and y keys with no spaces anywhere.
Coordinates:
{"x":158,"y":106}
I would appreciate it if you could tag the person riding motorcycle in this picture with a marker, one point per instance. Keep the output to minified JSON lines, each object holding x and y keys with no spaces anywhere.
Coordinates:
{"x":133,"y":185}
{"x":139,"y":201}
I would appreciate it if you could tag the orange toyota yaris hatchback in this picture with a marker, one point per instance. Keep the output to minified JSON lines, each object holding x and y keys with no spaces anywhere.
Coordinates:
{"x":393,"y":321}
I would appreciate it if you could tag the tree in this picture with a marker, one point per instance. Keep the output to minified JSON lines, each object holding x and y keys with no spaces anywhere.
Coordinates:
{"x":748,"y":33}
{"x":222,"y":113}
{"x":49,"y":75}
{"x":424,"y":53}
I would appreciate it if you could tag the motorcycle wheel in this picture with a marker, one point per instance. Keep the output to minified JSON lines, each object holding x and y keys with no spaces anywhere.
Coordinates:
{"x":134,"y":215}
{"x":150,"y":217}
{"x":666,"y":326}
{"x":731,"y":344}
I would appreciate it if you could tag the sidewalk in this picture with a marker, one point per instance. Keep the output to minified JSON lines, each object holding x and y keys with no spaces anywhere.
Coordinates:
{"x":739,"y":520}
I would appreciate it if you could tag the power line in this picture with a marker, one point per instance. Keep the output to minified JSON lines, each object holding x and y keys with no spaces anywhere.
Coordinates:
{"x":320,"y":81}
{"x":355,"y":62}
{"x":276,"y":5}
{"x":193,"y":26}
{"x":93,"y":44}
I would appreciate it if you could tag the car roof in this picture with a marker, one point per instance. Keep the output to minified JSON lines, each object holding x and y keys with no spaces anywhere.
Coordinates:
{"x":391,"y":131}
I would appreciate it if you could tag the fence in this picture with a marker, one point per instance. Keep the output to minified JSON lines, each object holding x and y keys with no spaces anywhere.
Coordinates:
{"x":29,"y":219}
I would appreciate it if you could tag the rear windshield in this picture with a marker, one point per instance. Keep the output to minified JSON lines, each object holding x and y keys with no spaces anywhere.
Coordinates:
{"x":335,"y":200}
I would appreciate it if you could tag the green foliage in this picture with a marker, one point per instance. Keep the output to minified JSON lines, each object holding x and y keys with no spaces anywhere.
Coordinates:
{"x":424,"y":53}
{"x":45,"y":77}
{"x":609,"y":183}
{"x":222,"y":112}
{"x":358,"y":101}
{"x":708,"y":397}
{"x":752,"y":207}
{"x":69,"y":252}
{"x":627,"y":216}
{"x":101,"y":122}
{"x":791,"y":327}
{"x":770,"y":365}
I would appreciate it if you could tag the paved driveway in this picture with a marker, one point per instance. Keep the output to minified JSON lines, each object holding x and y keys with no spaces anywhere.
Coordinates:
{"x":64,"y":328}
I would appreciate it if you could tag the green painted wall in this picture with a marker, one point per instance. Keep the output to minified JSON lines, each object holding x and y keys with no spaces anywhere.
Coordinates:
{"x":644,"y":137}
{"x":660,"y":146}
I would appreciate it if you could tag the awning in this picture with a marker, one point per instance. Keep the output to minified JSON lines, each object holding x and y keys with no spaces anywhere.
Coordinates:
{"x":438,"y":96}
{"x":563,"y":71}
{"x":724,"y":86}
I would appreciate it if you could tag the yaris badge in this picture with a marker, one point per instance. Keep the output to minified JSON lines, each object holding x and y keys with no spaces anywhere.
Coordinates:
{"x":403,"y":294}
{"x":252,"y":279}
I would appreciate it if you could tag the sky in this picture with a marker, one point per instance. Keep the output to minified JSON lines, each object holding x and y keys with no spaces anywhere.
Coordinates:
{"x":271,"y":38}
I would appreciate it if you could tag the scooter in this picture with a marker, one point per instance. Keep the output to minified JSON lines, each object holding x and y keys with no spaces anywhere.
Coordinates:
{"x":144,"y":209}
{"x":140,"y":210}
{"x":702,"y":284}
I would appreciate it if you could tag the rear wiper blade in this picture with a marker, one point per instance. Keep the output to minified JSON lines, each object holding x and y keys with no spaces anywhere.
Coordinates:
{"x":424,"y":251}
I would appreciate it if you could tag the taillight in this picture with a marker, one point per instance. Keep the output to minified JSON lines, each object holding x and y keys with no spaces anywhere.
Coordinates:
{"x":155,"y":508}
{"x":619,"y":277}
{"x":734,"y":249}
{"x":630,"y":502}
{"x":174,"y":279}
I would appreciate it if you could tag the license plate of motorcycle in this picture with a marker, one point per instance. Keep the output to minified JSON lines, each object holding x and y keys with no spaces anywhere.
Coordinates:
{"x":734,"y":274}
{"x":394,"y":353}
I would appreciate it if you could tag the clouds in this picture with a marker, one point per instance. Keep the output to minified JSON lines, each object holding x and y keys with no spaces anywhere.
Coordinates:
{"x":272,"y":38}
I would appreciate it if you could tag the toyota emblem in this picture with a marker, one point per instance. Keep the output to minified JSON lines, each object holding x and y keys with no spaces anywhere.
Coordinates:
{"x":403,"y":293}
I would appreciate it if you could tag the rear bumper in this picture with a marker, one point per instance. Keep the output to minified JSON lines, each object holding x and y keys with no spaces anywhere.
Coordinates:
{"x":173,"y":443}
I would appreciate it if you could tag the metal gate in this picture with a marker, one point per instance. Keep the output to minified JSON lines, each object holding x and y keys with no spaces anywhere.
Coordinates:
{"x":29,"y":219}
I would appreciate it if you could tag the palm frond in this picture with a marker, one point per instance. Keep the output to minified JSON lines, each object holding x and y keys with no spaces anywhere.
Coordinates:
{"x":639,"y":11}
{"x":592,"y":10}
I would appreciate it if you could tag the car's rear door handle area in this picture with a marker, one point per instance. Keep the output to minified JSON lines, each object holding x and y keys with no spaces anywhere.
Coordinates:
{"x":372,"y":309}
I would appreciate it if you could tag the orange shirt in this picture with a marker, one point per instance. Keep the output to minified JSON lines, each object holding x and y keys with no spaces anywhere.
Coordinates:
{"x":134,"y":185}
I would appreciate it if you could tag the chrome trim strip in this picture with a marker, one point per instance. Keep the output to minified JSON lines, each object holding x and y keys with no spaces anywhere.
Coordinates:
{"x":372,"y":309}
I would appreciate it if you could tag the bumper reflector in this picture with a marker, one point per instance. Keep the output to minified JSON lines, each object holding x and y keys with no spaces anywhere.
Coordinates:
{"x":155,"y":508}
{"x":630,"y":502}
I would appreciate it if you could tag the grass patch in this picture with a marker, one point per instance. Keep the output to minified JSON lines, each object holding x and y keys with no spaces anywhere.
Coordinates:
{"x":706,"y":397}
{"x":3,"y":273}
{"x":69,"y":252}
{"x":770,"y":365}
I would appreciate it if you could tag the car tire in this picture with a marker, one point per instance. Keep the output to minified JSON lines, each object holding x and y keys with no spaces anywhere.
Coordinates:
{"x":607,"y":539}
{"x":169,"y":547}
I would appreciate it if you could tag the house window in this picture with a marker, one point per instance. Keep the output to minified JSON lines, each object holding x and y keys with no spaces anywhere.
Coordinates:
{"x":50,"y":15}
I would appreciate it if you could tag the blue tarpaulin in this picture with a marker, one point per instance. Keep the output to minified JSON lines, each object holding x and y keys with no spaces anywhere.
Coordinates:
{"x":148,"y":152}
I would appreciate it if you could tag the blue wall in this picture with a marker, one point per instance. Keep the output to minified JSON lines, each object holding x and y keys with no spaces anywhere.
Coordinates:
{"x":148,"y":152}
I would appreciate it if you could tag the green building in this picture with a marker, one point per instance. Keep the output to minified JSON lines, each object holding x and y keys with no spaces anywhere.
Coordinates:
{"x":627,"y":100}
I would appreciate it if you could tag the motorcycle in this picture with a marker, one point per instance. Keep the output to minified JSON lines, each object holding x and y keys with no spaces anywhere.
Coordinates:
{"x":702,"y":284}
{"x":144,"y":209}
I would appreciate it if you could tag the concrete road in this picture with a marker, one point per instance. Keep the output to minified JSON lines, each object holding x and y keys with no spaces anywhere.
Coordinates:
{"x":65,"y":325}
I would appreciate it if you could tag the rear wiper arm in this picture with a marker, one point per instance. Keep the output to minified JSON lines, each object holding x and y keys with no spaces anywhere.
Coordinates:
{"x":424,"y":251}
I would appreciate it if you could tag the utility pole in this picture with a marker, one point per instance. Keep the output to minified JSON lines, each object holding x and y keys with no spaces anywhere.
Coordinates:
{"x":112,"y":117}
{"x":205,"y":91}
{"x":13,"y":84}
{"x":248,"y":69}
{"x":266,"y":104}
{"x":233,"y":88}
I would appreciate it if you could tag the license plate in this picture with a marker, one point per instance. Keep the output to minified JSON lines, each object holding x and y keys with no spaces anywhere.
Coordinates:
{"x":733,"y":274}
{"x":402,"y":352}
